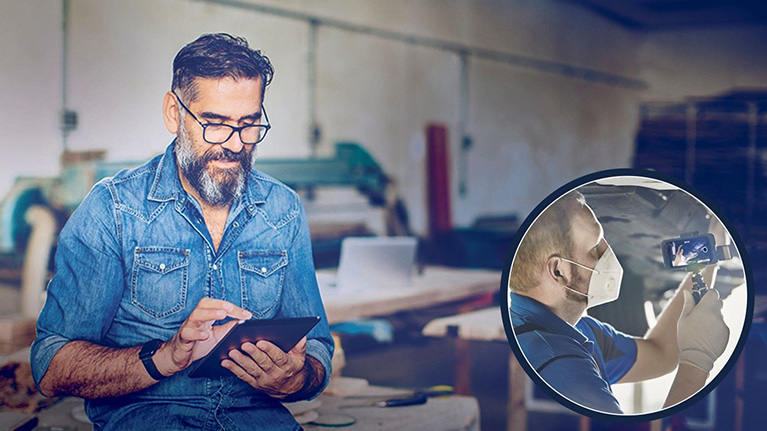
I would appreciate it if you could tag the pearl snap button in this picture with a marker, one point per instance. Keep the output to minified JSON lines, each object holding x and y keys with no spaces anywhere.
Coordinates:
{"x":215,"y":267}
{"x":162,"y":266}
{"x":263,"y":269}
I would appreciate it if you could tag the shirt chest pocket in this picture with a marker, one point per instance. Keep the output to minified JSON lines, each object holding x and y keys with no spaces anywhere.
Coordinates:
{"x":159,"y":280}
{"x":261,"y":277}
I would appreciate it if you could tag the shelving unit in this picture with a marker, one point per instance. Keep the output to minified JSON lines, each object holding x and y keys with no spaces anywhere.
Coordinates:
{"x":719,"y":146}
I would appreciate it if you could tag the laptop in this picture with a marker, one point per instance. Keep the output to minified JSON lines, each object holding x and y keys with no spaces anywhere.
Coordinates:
{"x":373,"y":262}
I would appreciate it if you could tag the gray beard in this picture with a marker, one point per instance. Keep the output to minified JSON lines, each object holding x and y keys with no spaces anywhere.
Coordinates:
{"x":195,"y":170}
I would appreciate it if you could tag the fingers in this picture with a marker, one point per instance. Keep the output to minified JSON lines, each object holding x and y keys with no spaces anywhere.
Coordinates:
{"x":222,"y":330}
{"x":254,"y":360}
{"x":689,"y":302}
{"x":274,"y":353}
{"x":198,"y":326}
{"x":200,"y":316}
{"x":240,"y":372}
{"x":299,"y":348}
{"x":230,"y":309}
{"x":189,"y":334}
{"x":255,"y":367}
{"x":711,"y":300}
{"x":209,"y":310}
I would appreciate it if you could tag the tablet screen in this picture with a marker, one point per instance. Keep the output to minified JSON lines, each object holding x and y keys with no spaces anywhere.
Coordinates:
{"x":284,"y":333}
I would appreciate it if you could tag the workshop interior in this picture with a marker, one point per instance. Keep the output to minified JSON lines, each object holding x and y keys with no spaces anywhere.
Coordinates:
{"x":418,"y":135}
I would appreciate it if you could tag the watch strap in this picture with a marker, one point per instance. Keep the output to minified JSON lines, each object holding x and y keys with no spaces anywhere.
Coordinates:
{"x":148,"y":350}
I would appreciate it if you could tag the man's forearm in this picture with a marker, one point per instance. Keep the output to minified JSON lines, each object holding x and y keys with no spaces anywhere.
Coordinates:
{"x":662,"y":336}
{"x":688,"y":381}
{"x":314,"y":375}
{"x":89,"y":370}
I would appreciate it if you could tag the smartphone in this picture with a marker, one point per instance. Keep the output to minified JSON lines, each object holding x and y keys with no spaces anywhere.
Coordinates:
{"x":684,"y":253}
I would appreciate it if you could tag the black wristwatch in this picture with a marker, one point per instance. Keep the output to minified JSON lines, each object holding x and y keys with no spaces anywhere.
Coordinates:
{"x":146,"y":353}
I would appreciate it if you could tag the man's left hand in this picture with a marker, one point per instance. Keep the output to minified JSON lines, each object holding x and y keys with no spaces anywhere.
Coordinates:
{"x":266,"y":367}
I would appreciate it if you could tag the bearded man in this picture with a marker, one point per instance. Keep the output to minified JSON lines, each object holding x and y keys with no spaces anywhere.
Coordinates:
{"x":159,"y":262}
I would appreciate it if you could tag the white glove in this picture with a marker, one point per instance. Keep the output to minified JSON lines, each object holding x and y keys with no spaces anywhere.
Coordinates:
{"x":701,"y":332}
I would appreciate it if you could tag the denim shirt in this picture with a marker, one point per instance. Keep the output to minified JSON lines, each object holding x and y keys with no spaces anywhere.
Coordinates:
{"x":134,"y":260}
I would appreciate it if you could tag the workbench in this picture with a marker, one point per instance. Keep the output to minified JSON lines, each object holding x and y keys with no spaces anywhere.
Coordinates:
{"x":435,"y":285}
{"x":451,"y":413}
{"x":487,"y":325}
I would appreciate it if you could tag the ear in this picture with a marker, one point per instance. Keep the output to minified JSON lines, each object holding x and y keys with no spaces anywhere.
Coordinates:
{"x":556,"y":271}
{"x":170,"y":112}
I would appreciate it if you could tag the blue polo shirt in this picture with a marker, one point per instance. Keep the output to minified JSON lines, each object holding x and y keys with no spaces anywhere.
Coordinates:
{"x":579,"y":362}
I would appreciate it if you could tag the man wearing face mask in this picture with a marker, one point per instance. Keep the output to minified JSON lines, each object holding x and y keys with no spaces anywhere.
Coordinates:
{"x":563,"y":266}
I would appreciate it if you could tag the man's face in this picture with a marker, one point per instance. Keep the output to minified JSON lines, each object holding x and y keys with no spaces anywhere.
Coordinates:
{"x":589,"y":245}
{"x":219,"y":172}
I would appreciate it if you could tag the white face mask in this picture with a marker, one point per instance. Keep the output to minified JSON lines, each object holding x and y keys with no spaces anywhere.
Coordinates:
{"x":605,"y":284}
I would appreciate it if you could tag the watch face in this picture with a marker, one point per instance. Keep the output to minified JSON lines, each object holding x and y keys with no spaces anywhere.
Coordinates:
{"x":148,"y":349}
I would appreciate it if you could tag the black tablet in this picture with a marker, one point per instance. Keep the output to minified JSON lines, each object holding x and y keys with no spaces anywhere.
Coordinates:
{"x":283,"y":333}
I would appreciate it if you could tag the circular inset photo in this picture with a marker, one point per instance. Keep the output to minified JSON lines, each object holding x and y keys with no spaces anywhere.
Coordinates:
{"x":627,"y":296}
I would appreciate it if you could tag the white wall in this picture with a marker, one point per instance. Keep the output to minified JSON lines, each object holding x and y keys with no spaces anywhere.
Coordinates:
{"x":533,"y":131}
{"x":121,"y":66}
{"x":30,"y":89}
{"x":382,"y":93}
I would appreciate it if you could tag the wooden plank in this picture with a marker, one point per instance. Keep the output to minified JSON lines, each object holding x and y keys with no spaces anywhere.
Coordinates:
{"x":437,"y":285}
{"x":483,"y":325}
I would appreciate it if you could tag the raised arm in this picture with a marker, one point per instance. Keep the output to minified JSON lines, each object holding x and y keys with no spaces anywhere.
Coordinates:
{"x":658,"y":351}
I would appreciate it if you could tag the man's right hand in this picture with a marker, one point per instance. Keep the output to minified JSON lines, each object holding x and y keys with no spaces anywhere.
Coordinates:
{"x":197,"y":336}
{"x":702,"y":333}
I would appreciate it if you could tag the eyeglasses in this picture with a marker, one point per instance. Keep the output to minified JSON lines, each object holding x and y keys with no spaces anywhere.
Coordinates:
{"x":218,"y":133}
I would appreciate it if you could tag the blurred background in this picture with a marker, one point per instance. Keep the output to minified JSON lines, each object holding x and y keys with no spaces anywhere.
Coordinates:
{"x":443,"y":120}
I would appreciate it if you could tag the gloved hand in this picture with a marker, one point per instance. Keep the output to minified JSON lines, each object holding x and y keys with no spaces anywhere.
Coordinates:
{"x":701,"y":332}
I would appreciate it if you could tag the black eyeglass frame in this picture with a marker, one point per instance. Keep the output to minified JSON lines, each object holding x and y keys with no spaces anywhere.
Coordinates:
{"x":233,"y":129}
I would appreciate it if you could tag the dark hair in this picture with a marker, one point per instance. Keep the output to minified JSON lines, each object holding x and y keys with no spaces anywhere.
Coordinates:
{"x":218,"y":55}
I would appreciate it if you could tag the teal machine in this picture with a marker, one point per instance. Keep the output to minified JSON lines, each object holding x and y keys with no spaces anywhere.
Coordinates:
{"x":352,"y":166}
{"x":21,"y":251}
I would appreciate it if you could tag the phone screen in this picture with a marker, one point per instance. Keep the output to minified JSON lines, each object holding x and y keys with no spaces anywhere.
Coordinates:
{"x":699,"y":250}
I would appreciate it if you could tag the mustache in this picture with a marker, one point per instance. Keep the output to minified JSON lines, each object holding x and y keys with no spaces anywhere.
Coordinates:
{"x":225,"y":155}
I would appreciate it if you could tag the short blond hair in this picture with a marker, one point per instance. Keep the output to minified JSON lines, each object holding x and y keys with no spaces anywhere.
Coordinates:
{"x":550,"y":234}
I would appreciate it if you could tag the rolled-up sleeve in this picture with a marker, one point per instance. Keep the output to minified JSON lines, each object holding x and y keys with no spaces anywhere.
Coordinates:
{"x":301,"y":298}
{"x":85,"y":291}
